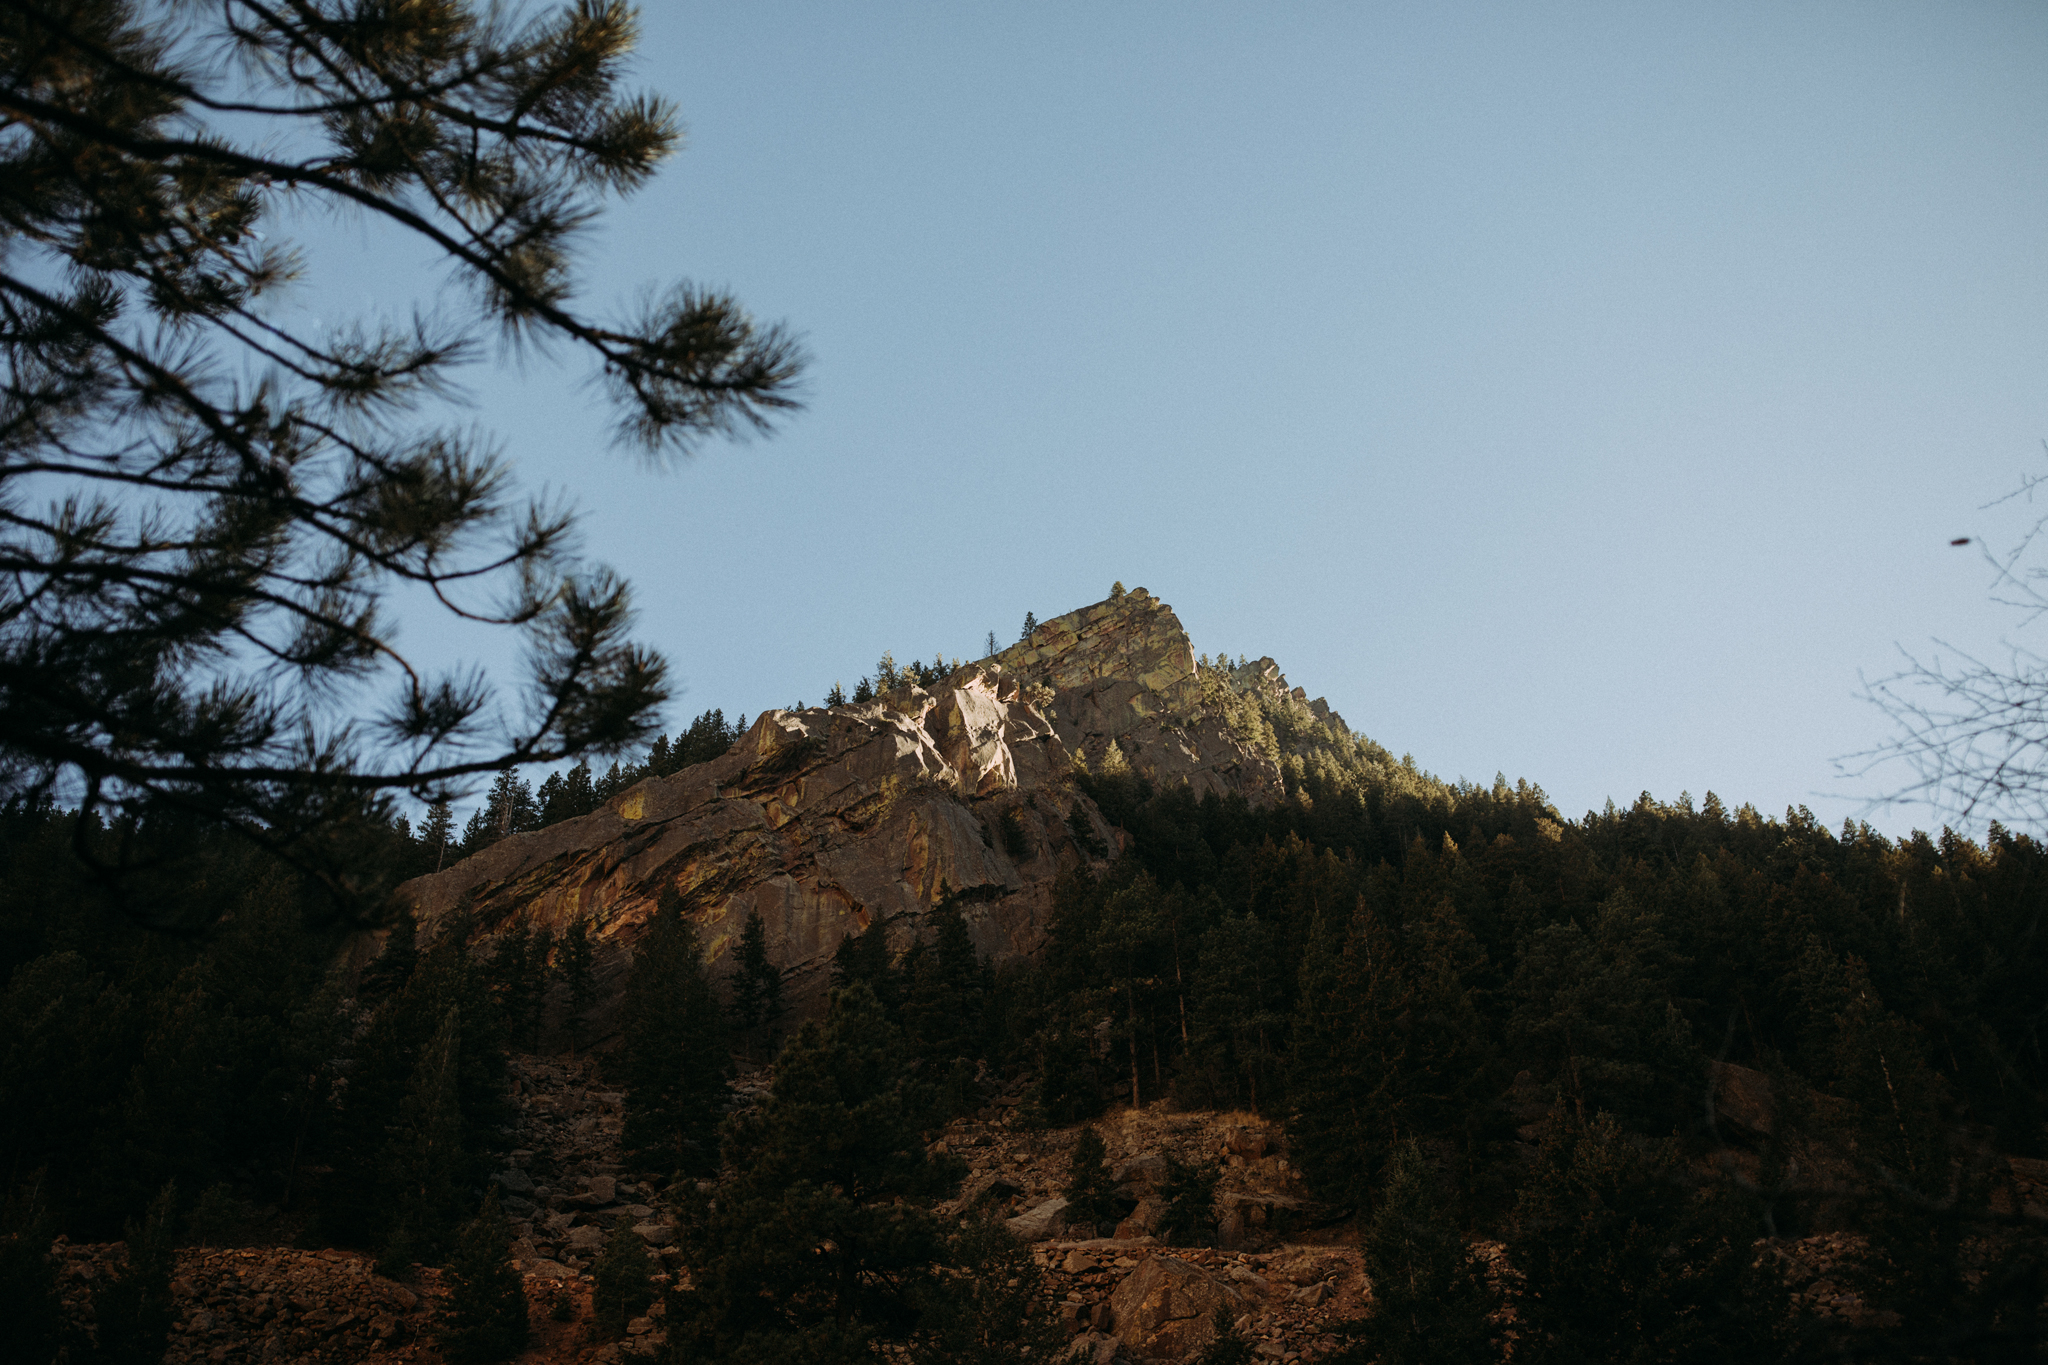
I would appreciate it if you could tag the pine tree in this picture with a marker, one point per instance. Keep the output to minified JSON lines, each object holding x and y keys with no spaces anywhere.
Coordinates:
{"x":1594,"y":1011}
{"x":1226,"y":1345}
{"x":864,"y":958}
{"x":622,"y":1288}
{"x":30,"y":1305}
{"x":943,"y":991}
{"x":425,"y":1159}
{"x":1189,"y":1192}
{"x":1343,"y":1077}
{"x":1116,"y":591}
{"x":823,"y":1165}
{"x":1238,"y":1025}
{"x":672,"y":1050}
{"x":756,"y":982}
{"x":1431,"y":1301}
{"x":566,"y":795}
{"x":578,"y":967}
{"x":1622,"y":1259}
{"x":986,"y":1305}
{"x":1090,"y":1190}
{"x":511,"y":809}
{"x":132,"y":1314}
{"x":864,"y":690}
{"x":485,"y":1321}
{"x":516,"y":976}
{"x":437,"y":831}
{"x":837,"y":696}
{"x":1030,"y":624}
{"x":200,"y":635}
{"x":989,"y":647}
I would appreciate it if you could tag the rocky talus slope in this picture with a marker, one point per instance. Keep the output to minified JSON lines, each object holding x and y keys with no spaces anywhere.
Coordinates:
{"x":825,"y":820}
{"x":1288,"y":1279}
{"x":565,"y":1189}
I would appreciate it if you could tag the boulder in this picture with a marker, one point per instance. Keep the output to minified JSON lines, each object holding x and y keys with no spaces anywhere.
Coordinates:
{"x":1143,"y":1221}
{"x":1091,"y":1348}
{"x":655,"y":1234}
{"x":514,"y":1181}
{"x":1166,"y":1309}
{"x":1253,"y":1220}
{"x":1246,"y":1141}
{"x":1742,"y":1099}
{"x":1145,"y":1171}
{"x":990,"y":1187}
{"x":1035,"y":1225}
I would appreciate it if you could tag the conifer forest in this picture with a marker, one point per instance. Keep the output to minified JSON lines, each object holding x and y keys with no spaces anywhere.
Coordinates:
{"x":341,"y":1024}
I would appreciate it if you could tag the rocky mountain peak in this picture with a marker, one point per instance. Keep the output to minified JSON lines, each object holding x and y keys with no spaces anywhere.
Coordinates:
{"x":826,"y":819}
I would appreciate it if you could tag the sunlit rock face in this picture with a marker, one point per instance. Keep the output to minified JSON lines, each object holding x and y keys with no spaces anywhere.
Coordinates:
{"x":827,"y":819}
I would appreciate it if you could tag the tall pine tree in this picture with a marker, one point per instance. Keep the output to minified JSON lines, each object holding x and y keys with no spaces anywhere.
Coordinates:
{"x":672,"y":1049}
{"x":819,"y":1247}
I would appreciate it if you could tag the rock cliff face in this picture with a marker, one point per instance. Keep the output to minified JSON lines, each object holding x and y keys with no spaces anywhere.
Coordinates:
{"x":827,"y":819}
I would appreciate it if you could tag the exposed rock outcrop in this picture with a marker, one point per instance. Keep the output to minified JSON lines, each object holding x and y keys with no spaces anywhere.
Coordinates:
{"x":825,"y":820}
{"x":1165,"y":1309}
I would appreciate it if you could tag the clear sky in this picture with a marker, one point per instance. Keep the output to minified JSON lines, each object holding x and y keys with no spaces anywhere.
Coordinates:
{"x":1586,"y":393}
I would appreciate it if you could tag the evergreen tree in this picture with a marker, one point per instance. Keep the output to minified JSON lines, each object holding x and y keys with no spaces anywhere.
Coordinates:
{"x":1090,"y":1190}
{"x":567,"y":795}
{"x":756,"y":982}
{"x":1030,"y":624}
{"x":1622,"y":1259}
{"x":707,"y":738}
{"x":1127,"y":948}
{"x":1237,"y":1025}
{"x":989,"y":647}
{"x":672,"y":1049}
{"x":864,"y":690}
{"x":437,"y":832}
{"x":1189,"y":1192}
{"x":1226,"y":1345}
{"x":132,"y":1313}
{"x":579,"y":975}
{"x":1594,"y":1011}
{"x":29,"y":1302}
{"x":509,"y":809}
{"x":425,"y":1159}
{"x":184,"y":633}
{"x":943,"y":992}
{"x":1344,"y":1077}
{"x":807,"y":1250}
{"x":516,"y":976}
{"x":622,"y":1287}
{"x":986,"y":1303}
{"x":1431,"y":1301}
{"x":485,"y":1321}
{"x":837,"y":696}
{"x":864,"y":958}
{"x":1069,"y":1089}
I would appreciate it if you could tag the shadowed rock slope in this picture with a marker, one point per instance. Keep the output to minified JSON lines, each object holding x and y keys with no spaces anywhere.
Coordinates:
{"x":827,"y":819}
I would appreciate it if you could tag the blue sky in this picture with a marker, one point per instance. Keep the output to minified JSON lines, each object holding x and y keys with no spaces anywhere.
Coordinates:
{"x":1581,"y":392}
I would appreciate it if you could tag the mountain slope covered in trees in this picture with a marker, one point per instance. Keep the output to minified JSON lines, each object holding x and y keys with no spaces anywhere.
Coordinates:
{"x":1635,"y":1050}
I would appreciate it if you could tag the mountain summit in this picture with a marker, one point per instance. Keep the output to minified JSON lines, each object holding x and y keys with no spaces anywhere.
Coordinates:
{"x":826,"y":819}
